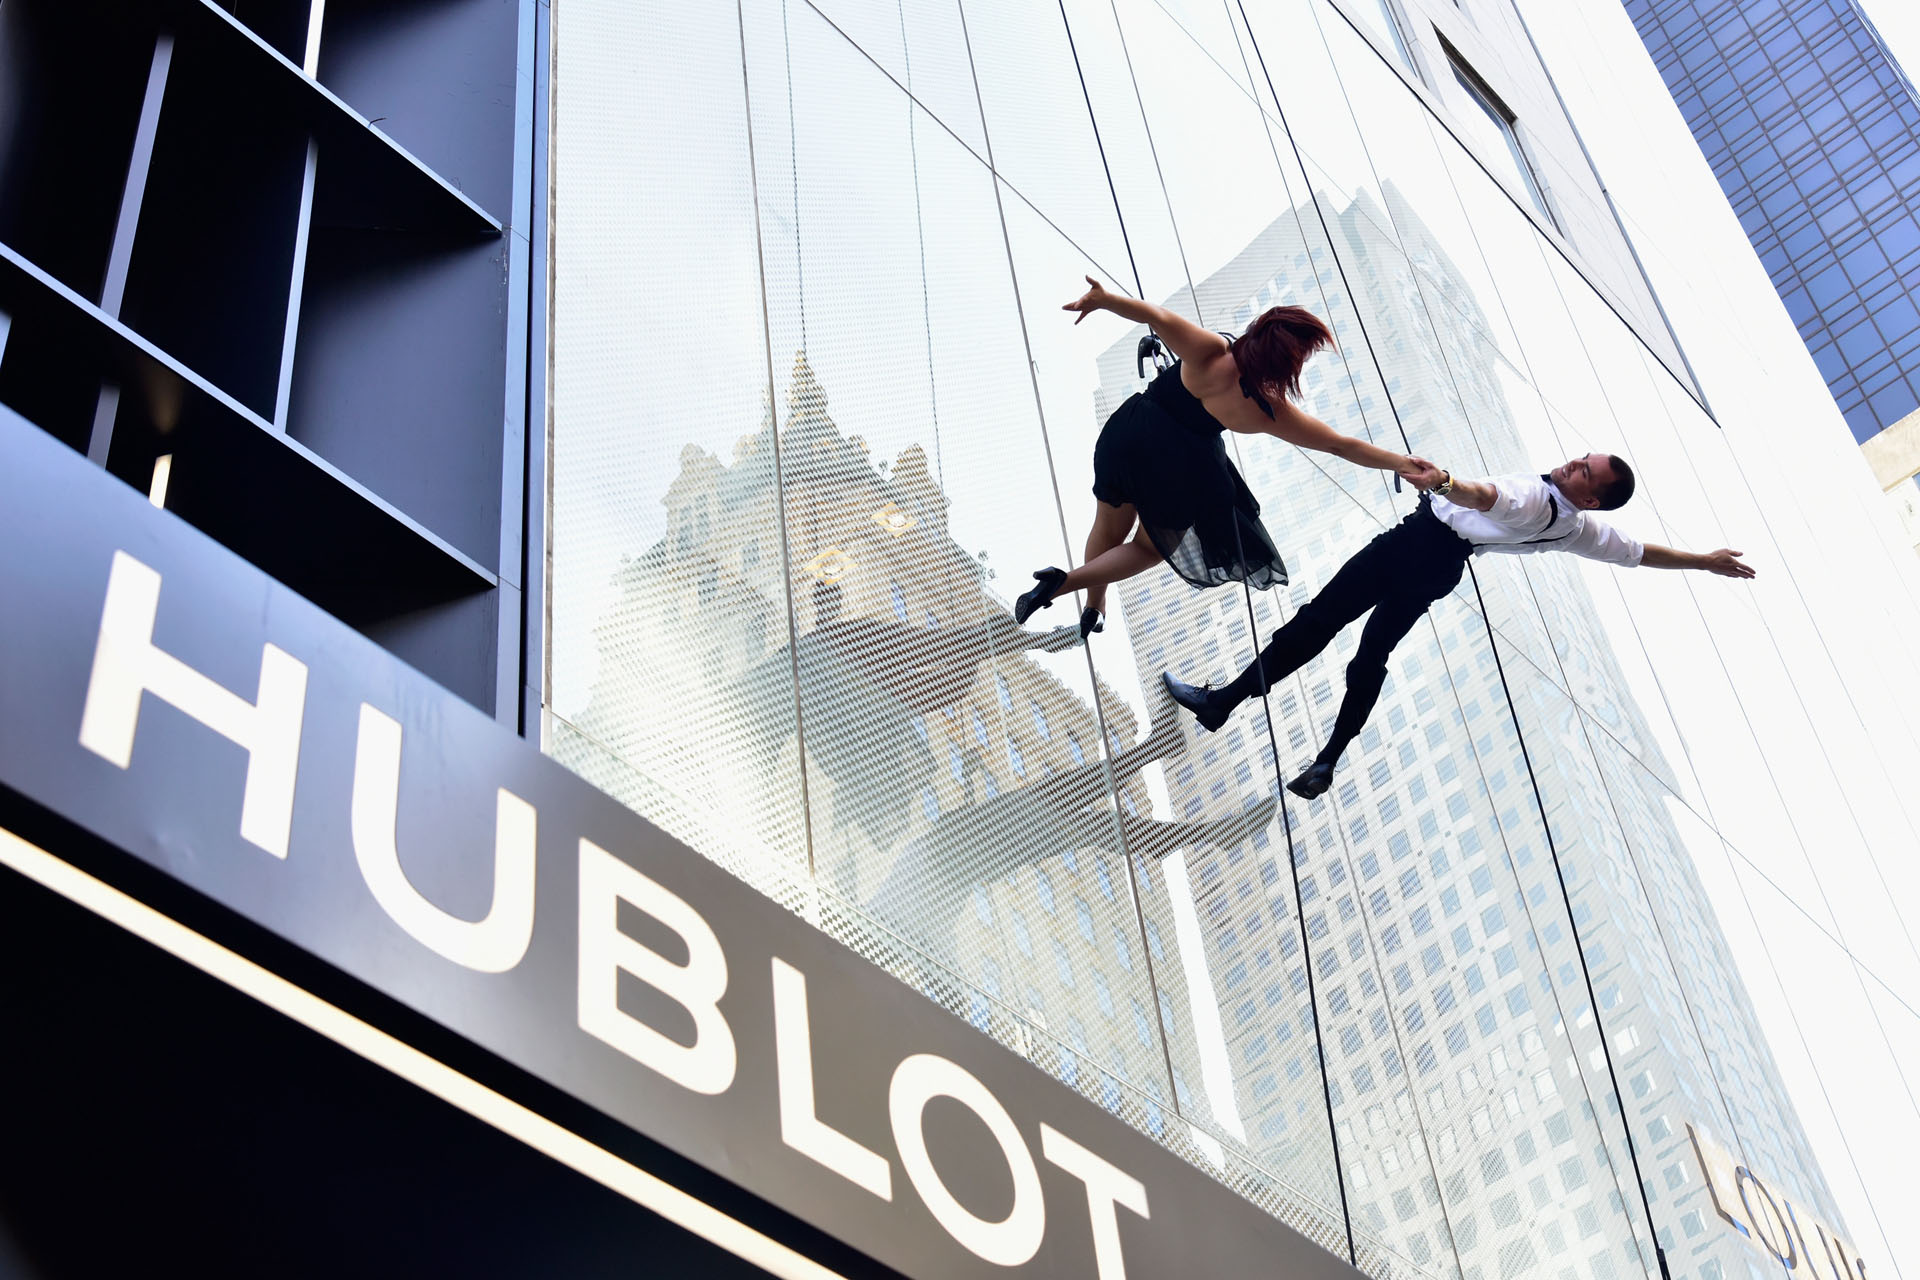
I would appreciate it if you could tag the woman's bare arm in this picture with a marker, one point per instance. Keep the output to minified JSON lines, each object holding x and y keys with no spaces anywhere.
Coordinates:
{"x":1187,"y":340}
{"x":1301,"y":429}
{"x":1210,"y":360}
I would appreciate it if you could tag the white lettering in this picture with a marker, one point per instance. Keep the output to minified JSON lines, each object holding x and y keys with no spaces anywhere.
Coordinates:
{"x":493,"y":944}
{"x":126,"y":664}
{"x":800,"y":1127}
{"x":705,"y":1066}
{"x":918,"y":1080}
{"x":1107,"y":1186}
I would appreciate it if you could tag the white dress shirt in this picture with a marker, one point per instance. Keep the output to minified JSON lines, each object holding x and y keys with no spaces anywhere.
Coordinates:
{"x":1532,"y":515}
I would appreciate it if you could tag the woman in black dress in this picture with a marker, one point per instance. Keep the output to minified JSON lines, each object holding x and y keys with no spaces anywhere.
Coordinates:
{"x":1161,"y":463}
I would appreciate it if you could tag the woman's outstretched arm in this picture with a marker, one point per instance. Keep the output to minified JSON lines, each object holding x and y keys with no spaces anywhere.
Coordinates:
{"x":1187,"y":340}
{"x":1300,"y":428}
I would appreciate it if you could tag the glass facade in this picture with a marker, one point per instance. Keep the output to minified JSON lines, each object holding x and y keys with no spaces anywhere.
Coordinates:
{"x":1814,"y":134}
{"x":817,"y":416}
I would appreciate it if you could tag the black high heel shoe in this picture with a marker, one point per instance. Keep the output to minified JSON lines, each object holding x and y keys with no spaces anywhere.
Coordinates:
{"x":1313,"y":781}
{"x":1091,"y":620}
{"x":1041,"y":596}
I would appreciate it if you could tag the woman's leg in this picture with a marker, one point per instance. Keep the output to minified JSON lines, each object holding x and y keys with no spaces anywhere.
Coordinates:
{"x":1111,"y":525}
{"x":1110,"y":558}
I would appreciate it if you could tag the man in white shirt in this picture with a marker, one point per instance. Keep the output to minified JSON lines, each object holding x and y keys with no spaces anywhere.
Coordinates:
{"x":1404,"y":570}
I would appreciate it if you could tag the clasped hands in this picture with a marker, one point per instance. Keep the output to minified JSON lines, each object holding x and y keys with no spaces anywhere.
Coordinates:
{"x":1419,"y":473}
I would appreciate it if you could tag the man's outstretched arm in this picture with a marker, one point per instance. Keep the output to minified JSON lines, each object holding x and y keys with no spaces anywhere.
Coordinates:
{"x":1478,"y":494}
{"x":1725,"y":562}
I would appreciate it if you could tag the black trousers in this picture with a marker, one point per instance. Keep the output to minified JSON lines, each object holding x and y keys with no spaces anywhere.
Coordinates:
{"x":1398,"y":575}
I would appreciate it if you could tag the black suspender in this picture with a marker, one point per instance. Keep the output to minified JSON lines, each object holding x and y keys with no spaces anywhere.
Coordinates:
{"x":1553,"y":514}
{"x":1540,"y":534}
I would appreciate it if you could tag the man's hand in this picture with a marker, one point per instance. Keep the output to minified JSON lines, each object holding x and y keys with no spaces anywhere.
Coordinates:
{"x":1095,"y":299}
{"x":1419,"y":473}
{"x":1726,"y":563}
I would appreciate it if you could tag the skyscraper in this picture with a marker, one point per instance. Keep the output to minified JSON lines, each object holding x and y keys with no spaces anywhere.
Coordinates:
{"x":1813,"y":130}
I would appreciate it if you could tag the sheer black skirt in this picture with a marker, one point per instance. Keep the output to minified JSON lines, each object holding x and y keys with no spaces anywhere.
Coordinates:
{"x":1195,"y":507}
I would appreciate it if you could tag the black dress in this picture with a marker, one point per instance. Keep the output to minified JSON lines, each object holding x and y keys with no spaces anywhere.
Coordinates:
{"x":1163,"y":452}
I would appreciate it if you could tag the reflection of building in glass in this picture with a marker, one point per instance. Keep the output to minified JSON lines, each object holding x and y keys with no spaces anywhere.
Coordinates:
{"x":805,"y":668}
{"x":1462,"y":1048}
{"x":959,"y":793}
{"x":1814,"y":134}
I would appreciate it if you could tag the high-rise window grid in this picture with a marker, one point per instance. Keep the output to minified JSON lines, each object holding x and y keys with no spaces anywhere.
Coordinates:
{"x":1815,"y":137}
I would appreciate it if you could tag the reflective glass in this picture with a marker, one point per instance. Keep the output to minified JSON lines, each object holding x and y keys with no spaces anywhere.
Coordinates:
{"x":664,"y":487}
{"x":952,"y":761}
{"x":1404,"y":143}
{"x":1379,"y":14}
{"x":1491,"y":129}
{"x":1045,"y":147}
{"x":922,"y":48}
{"x":817,"y":418}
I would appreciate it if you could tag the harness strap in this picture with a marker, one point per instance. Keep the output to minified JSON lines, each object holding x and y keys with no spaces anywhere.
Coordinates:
{"x":1247,"y":388}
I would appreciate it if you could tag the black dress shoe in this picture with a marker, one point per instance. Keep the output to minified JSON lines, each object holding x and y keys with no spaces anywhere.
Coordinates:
{"x":1205,"y":704}
{"x":1041,"y":596}
{"x":1313,"y":781}
{"x":1091,"y":620}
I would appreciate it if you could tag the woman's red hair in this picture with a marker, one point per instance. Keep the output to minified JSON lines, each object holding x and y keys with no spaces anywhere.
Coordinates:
{"x":1275,"y":347}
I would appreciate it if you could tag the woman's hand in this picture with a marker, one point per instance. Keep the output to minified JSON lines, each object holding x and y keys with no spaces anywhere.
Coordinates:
{"x":1094,"y":299}
{"x":1418,"y":472}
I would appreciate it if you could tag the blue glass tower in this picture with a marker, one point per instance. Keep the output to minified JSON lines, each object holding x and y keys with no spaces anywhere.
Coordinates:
{"x":1814,"y":133}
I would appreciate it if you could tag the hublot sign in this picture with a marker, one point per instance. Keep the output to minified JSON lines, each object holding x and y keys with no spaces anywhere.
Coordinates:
{"x":164,"y":696}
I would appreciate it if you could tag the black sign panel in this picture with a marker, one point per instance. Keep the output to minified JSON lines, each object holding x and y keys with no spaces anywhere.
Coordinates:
{"x":167,"y":697}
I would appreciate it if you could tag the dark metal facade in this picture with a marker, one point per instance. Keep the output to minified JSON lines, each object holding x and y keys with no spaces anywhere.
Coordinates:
{"x":287,"y":249}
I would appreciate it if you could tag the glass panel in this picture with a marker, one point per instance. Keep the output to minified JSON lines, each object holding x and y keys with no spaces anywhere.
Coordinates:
{"x":1491,"y":130}
{"x":1580,"y":856}
{"x":1379,"y":15}
{"x":1208,"y":27}
{"x":1818,"y":1001}
{"x":820,"y":550}
{"x":1044,"y":145}
{"x":1552,"y":356}
{"x":1201,"y":115}
{"x":1403,"y":142}
{"x":1131,"y":731}
{"x":1313,"y":102}
{"x":921,"y":47}
{"x":1684,"y":996}
{"x":664,"y":487}
{"x":957,"y":798}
